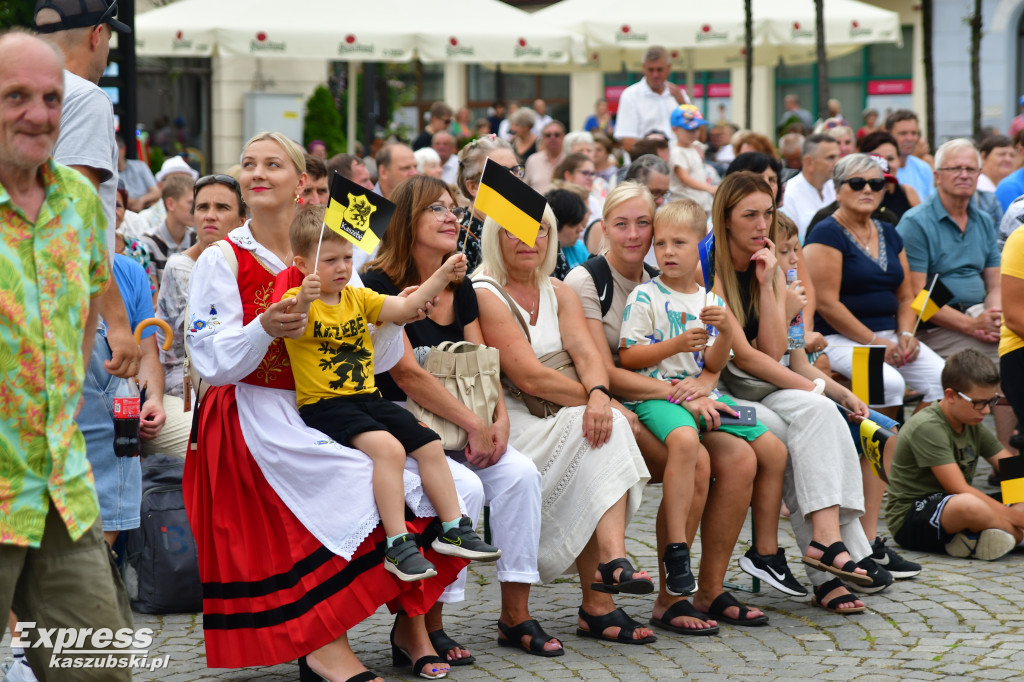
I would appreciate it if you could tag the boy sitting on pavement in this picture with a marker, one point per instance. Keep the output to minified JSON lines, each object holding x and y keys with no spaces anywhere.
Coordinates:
{"x":932,"y":505}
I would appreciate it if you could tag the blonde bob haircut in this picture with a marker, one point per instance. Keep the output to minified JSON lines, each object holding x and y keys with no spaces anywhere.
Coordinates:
{"x":734,"y":188}
{"x":292,"y":150}
{"x":493,"y":263}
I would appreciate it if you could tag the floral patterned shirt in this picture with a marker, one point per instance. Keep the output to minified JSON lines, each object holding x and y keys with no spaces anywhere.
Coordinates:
{"x":49,"y":271}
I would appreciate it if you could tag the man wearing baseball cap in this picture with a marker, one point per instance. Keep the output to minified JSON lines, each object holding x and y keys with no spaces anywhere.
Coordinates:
{"x":81,"y":29}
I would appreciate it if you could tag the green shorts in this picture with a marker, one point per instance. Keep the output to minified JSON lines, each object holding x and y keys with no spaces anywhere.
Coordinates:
{"x":663,"y":417}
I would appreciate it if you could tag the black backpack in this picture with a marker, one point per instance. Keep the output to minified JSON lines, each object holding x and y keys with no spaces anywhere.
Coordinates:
{"x":601,"y":273}
{"x":161,"y":571}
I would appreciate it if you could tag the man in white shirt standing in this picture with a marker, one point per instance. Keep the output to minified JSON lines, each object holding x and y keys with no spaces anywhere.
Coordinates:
{"x":648,"y":105}
{"x":812,"y":190}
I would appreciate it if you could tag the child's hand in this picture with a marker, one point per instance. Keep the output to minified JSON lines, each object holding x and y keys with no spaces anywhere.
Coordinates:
{"x":455,"y":267}
{"x":310,"y":289}
{"x":796,"y":299}
{"x":692,"y":340}
{"x":715,"y":316}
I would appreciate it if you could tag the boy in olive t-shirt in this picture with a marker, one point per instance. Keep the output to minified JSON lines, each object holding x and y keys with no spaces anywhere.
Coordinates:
{"x":931,"y":504}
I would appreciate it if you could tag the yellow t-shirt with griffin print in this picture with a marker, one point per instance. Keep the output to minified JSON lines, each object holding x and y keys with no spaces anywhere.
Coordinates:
{"x":334,"y":356}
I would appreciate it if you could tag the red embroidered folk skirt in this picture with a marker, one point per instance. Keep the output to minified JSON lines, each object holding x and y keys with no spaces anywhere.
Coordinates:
{"x":271,"y":591}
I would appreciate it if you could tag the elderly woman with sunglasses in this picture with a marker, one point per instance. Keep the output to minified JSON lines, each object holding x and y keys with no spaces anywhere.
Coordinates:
{"x":862,"y":285}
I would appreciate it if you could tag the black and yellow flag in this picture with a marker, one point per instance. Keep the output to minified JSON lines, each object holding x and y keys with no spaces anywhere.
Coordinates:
{"x":931,"y":298}
{"x":872,"y":442}
{"x":510,"y":202}
{"x":1011,"y":474}
{"x":358,"y":214}
{"x":866,"y":377}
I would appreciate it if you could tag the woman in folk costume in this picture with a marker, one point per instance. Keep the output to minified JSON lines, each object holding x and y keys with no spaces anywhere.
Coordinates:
{"x":289,"y":539}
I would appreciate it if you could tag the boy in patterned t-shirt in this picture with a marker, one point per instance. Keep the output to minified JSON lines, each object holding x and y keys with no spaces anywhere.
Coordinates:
{"x":665,"y":335}
{"x":333,"y":366}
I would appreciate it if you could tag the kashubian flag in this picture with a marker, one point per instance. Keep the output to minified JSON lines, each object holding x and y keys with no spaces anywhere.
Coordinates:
{"x":872,"y":442}
{"x":510,"y":202}
{"x":866,"y":377}
{"x":358,"y":214}
{"x":931,"y":298}
{"x":1011,"y":473}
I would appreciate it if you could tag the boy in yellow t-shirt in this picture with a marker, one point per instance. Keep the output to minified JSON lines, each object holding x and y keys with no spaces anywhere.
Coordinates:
{"x":333,"y":366}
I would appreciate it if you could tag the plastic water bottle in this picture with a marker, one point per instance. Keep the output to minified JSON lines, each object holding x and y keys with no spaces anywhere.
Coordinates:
{"x":127,"y":404}
{"x":796,"y":326}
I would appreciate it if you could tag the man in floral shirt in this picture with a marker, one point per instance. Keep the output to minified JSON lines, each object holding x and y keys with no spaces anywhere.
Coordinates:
{"x":54,"y":565}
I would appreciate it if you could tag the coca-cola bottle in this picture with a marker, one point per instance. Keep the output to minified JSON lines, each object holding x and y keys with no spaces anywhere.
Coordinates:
{"x":127,"y":403}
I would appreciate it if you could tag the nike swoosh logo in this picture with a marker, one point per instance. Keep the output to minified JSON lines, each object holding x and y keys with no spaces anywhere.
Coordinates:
{"x":778,"y":576}
{"x":604,"y":292}
{"x":453,"y":542}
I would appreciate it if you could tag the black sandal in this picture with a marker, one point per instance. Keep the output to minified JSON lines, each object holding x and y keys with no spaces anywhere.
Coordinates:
{"x":443,"y":644}
{"x":833,"y":604}
{"x":626,"y":584}
{"x":683,"y":608}
{"x":306,"y":674}
{"x":616,"y":619}
{"x":513,"y":637}
{"x":724,"y":601}
{"x":825,"y":563}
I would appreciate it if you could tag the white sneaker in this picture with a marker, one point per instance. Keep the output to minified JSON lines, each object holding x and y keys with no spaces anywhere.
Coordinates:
{"x":988,"y":545}
{"x":20,"y":671}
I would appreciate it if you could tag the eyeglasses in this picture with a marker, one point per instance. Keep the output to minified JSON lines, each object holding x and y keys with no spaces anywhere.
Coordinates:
{"x":858,"y":184}
{"x":959,"y":170}
{"x":979,"y":404}
{"x":518,"y":170}
{"x":552,"y":134}
{"x":218,"y":179}
{"x":661,"y":194}
{"x":441,"y":212}
{"x":544,"y":230}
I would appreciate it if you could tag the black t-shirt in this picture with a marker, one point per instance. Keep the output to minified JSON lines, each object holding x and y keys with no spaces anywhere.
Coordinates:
{"x":753,"y":324}
{"x":424,"y":139}
{"x":425,"y":333}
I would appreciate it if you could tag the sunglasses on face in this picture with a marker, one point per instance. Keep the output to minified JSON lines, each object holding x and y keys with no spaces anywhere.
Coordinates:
{"x":858,"y":184}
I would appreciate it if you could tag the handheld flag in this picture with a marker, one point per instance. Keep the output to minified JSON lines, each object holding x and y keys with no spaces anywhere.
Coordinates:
{"x":356,"y":213}
{"x":872,"y":442}
{"x":866,"y":377}
{"x":931,"y":298}
{"x":706,"y":251}
{"x":1011,"y":473}
{"x":510,"y":202}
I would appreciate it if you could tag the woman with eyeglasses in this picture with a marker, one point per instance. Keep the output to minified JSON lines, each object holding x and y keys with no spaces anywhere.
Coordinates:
{"x":524,"y":141}
{"x":862,"y":284}
{"x":423,"y":231}
{"x":593,"y":472}
{"x":262,"y":490}
{"x":471,"y":167}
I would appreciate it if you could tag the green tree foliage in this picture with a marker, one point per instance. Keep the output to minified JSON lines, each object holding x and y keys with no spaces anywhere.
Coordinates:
{"x":15,"y":13}
{"x":323,"y":121}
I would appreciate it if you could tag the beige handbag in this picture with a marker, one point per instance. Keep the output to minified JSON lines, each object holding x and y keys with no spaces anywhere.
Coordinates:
{"x":472,"y":374}
{"x":558,"y":360}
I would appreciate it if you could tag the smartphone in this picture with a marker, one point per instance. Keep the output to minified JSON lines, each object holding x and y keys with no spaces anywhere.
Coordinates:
{"x":747,"y":416}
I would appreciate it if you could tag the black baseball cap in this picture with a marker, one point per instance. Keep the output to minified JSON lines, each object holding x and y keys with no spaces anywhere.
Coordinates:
{"x":80,"y":14}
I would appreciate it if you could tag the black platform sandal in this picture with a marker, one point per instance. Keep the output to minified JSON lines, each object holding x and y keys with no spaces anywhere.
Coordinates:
{"x":616,"y":619}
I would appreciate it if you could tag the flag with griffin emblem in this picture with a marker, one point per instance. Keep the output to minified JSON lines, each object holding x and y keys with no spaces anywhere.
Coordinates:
{"x":357,"y":214}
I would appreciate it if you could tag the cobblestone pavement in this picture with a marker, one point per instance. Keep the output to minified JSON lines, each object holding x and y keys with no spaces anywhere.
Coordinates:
{"x":958,"y":620}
